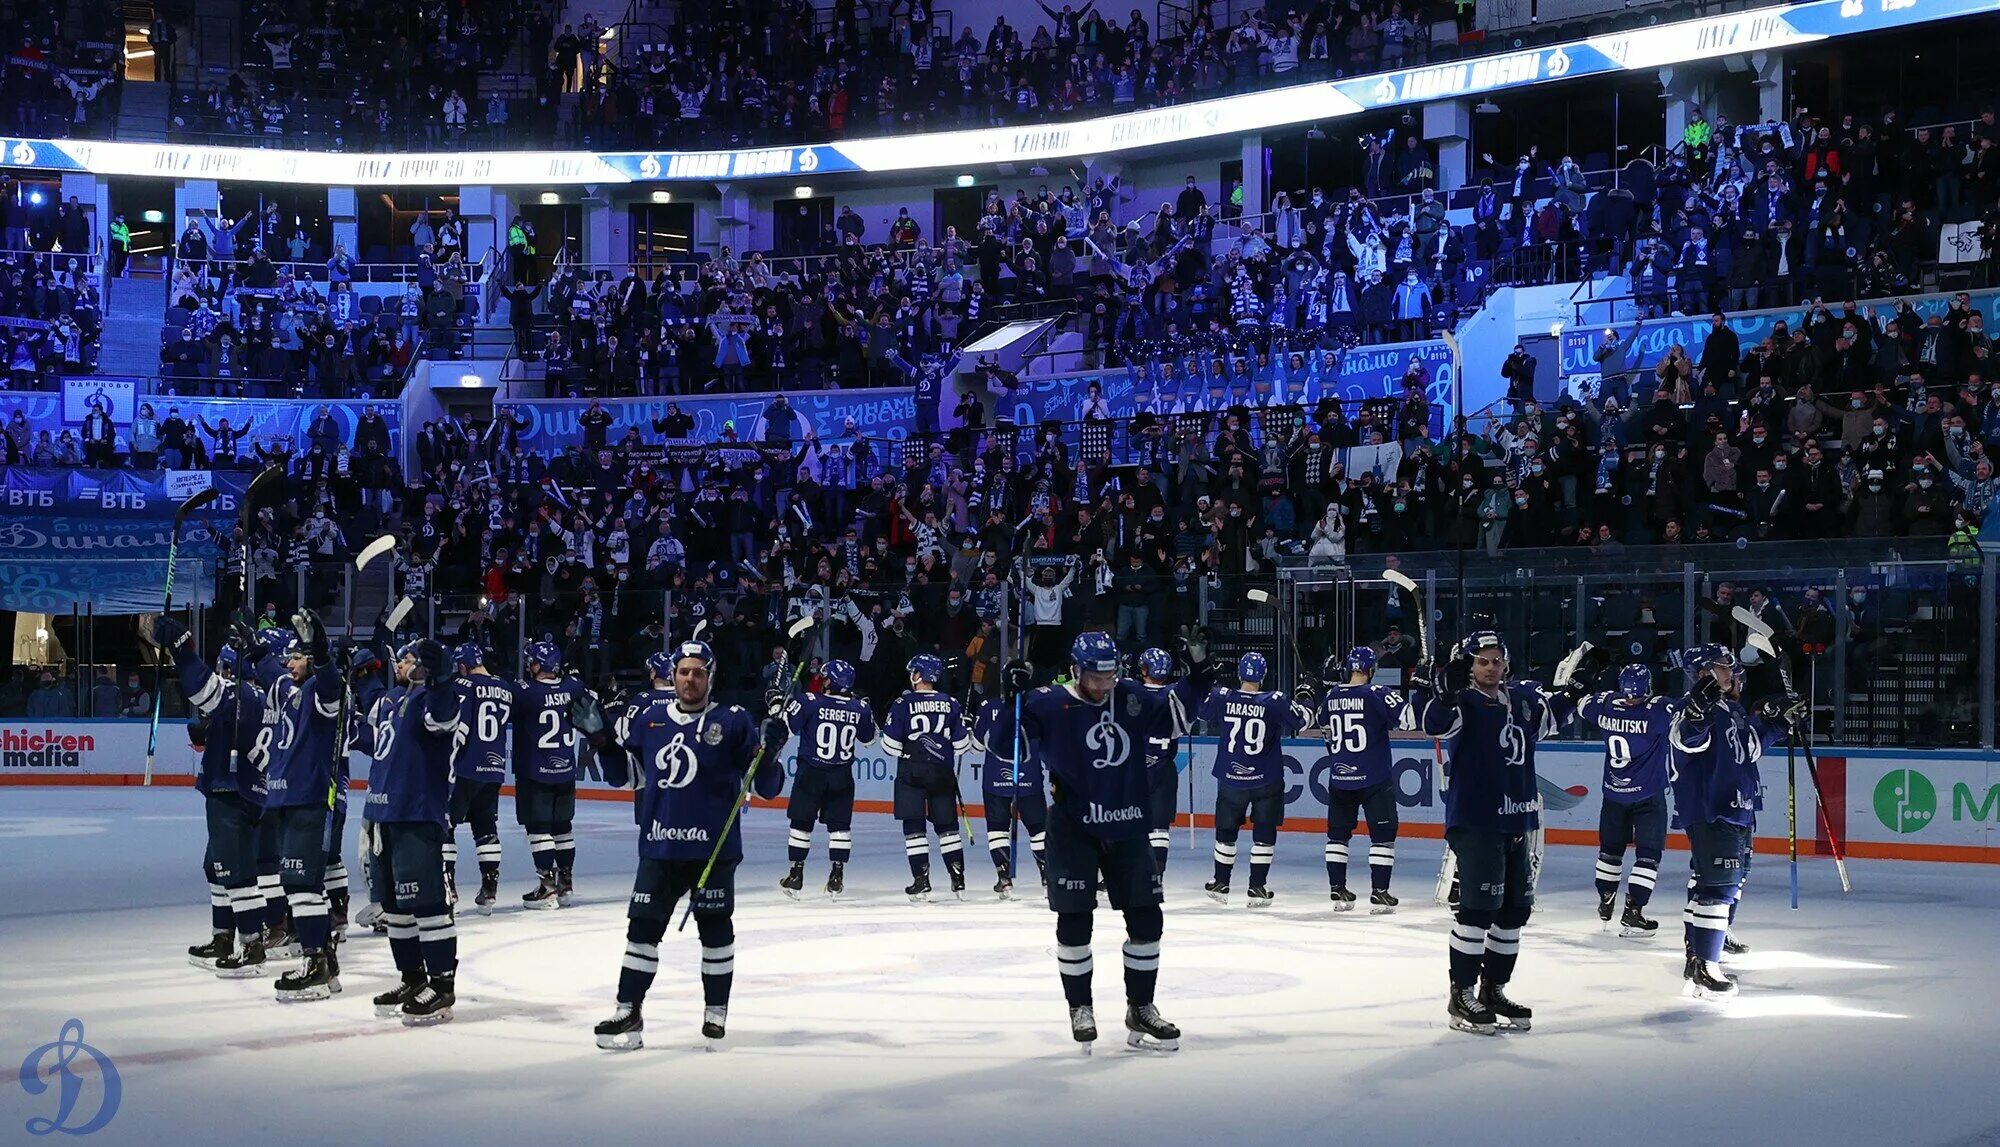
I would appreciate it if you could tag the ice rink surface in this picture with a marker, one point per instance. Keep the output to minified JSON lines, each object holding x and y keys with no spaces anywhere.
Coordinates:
{"x":1864,"y":1019}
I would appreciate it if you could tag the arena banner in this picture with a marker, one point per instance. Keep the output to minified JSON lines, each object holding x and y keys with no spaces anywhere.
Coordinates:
{"x":97,"y":539}
{"x":1914,"y":804}
{"x":269,"y":419}
{"x":1365,"y":372}
{"x":1657,"y":336}
{"x":1638,"y":49}
{"x":115,"y":396}
{"x":552,"y":424}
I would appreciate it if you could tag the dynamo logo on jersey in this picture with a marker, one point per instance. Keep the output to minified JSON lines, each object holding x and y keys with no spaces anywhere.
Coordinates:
{"x":676,"y":765}
{"x":660,"y":832}
{"x":1098,"y":814}
{"x":1108,"y":742}
{"x":1511,"y":807}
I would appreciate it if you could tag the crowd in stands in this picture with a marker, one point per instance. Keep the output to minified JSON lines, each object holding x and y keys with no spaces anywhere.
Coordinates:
{"x":160,"y":436}
{"x":51,"y":318}
{"x":61,"y":69}
{"x":381,"y":75}
{"x":241,"y":324}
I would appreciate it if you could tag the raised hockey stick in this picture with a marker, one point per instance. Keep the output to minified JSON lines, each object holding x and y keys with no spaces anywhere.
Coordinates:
{"x":1764,"y":645}
{"x":375,"y":549}
{"x":792,"y":635}
{"x":195,"y":501}
{"x":1404,"y":582}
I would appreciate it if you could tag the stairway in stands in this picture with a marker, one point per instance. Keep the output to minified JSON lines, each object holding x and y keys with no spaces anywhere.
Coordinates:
{"x":133,"y":314}
{"x":142,"y":112}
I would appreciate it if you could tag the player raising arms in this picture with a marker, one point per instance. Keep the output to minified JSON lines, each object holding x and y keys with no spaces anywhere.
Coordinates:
{"x":1009,"y":788}
{"x":687,"y":757}
{"x":925,"y":732}
{"x":1490,"y":728}
{"x":1357,"y":717}
{"x":1716,"y":746}
{"x":1634,"y":725}
{"x":1094,"y":737}
{"x":1251,"y":726}
{"x":830,"y":727}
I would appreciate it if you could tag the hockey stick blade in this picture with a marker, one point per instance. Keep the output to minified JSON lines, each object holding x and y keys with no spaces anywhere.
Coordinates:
{"x":796,"y":628}
{"x":196,"y":501}
{"x":1761,"y":642}
{"x":1750,"y":621}
{"x":700,"y":627}
{"x":395,"y":619}
{"x":375,"y":549}
{"x":1259,"y":596}
{"x":1400,"y":580}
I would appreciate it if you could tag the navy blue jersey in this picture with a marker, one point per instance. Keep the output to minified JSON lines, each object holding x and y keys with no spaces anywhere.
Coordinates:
{"x":926,"y":730}
{"x":1180,"y":697}
{"x":1251,"y":729}
{"x":1357,"y":720}
{"x":303,"y":717}
{"x":1490,"y":752}
{"x":1097,"y":755}
{"x":485,"y":720}
{"x":1635,"y":744}
{"x":235,"y":745}
{"x":830,"y":729}
{"x":544,"y":735}
{"x":1713,"y":766}
{"x":411,"y":732}
{"x":994,"y":738}
{"x":687,"y":769}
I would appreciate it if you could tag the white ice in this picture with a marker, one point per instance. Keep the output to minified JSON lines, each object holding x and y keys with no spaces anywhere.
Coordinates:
{"x":1864,"y":1018}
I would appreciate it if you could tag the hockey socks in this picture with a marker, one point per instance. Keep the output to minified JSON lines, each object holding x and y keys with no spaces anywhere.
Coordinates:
{"x":1073,"y":956}
{"x":1336,"y":863}
{"x":718,"y":959}
{"x":1142,"y":954}
{"x":799,"y":845}
{"x":1381,"y":864}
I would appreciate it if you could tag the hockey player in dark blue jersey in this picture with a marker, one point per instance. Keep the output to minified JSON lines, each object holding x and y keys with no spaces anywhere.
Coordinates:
{"x":303,"y":710}
{"x":1251,"y":726}
{"x":410,"y":733}
{"x":1716,"y":745}
{"x":550,"y":708}
{"x":1492,"y":804}
{"x":830,"y":728}
{"x":1357,"y":717}
{"x":479,"y":769}
{"x":1008,"y":790}
{"x":1094,"y":737}
{"x":1634,"y":725}
{"x":1156,"y":667}
{"x":925,"y":732}
{"x":231,"y":783}
{"x":687,"y":757}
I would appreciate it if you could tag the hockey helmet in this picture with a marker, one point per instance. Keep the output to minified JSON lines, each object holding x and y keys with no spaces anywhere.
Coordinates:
{"x":546,"y":655}
{"x":840,"y":677}
{"x":1635,"y":682}
{"x":1361,"y":659}
{"x":927,"y":668}
{"x":469,"y":655}
{"x":1156,"y":663}
{"x":1094,"y":652}
{"x":1251,"y":667}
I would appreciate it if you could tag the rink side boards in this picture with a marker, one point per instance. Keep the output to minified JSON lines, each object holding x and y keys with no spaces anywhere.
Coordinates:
{"x":1935,"y":805}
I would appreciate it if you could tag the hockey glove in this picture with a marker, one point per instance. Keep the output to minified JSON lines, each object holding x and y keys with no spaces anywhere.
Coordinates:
{"x":169,"y":634}
{"x":774,"y":703}
{"x":1702,"y":698}
{"x":311,"y":633}
{"x":585,"y":714}
{"x":198,"y":733}
{"x":433,"y":662}
{"x":242,"y":636}
{"x":1568,"y":671}
{"x":1457,"y":676}
{"x":1195,"y":639}
{"x":1421,"y":680}
{"x":1304,"y":695}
